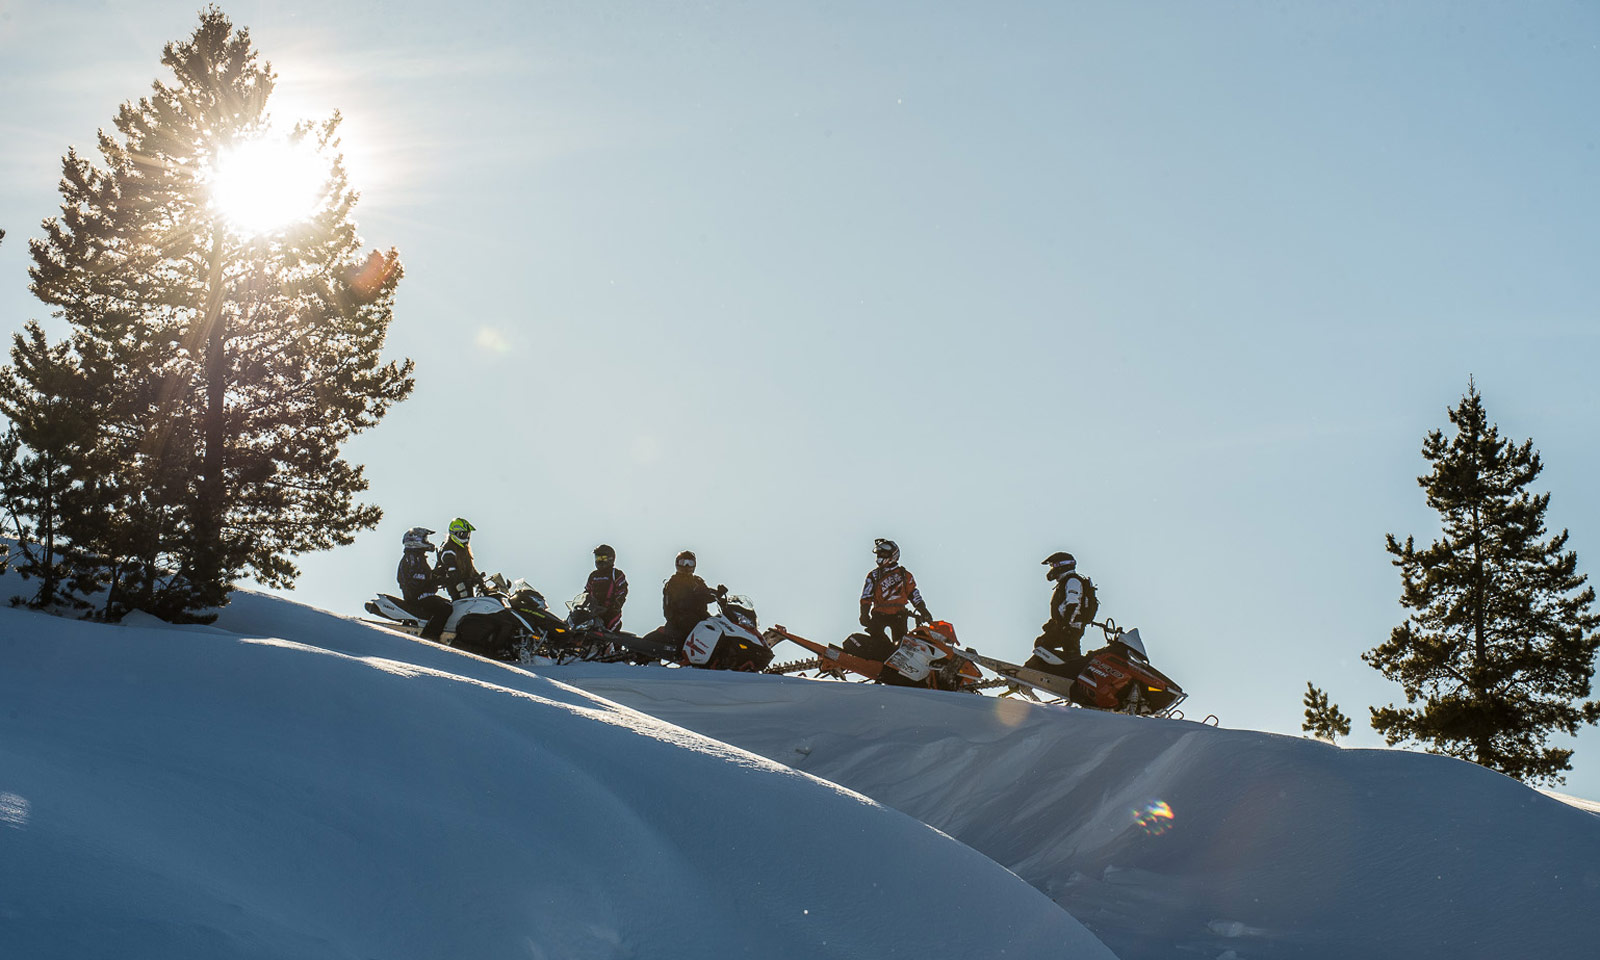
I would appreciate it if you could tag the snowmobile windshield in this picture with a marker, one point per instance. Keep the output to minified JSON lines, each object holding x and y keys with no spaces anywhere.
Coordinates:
{"x":740,"y":608}
{"x":519,"y":585}
{"x":581,"y":600}
{"x":1132,"y":642}
{"x":526,"y":597}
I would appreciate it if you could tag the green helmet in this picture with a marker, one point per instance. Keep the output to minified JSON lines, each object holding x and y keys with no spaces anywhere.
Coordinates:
{"x":461,"y":531}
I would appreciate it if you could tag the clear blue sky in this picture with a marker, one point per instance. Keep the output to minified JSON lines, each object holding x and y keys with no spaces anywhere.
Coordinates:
{"x":1178,"y":287}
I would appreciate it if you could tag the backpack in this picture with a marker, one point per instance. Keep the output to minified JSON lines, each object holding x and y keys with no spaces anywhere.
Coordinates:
{"x":1090,"y":604}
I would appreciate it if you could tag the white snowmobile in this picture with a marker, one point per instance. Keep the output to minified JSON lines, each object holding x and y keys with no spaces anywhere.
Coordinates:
{"x":729,"y":640}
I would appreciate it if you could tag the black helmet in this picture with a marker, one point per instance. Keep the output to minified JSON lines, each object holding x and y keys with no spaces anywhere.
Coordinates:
{"x":604,"y":556}
{"x":887,"y":551}
{"x":1060,"y":563}
{"x":686,"y":561}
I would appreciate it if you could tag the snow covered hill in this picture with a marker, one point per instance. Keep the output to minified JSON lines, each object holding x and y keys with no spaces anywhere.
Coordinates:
{"x":289,"y":783}
{"x":309,"y":787}
{"x":1174,"y":839}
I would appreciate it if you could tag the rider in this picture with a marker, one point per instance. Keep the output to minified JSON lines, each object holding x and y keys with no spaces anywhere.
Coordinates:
{"x":685,"y":601}
{"x":418,"y":587}
{"x":456,"y":572}
{"x":607,"y":588}
{"x":1058,"y":649}
{"x":889,"y":590}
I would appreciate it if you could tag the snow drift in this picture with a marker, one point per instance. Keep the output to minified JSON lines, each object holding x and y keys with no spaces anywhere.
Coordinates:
{"x":290,"y":783}
{"x":1170,"y":838}
{"x":324,"y":789}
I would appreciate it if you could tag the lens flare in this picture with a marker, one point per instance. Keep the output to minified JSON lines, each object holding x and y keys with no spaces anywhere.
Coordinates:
{"x":1155,"y":817}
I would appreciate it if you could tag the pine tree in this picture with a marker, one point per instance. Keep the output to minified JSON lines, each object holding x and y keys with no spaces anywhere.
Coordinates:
{"x":1324,"y":720}
{"x":226,"y":369}
{"x":1498,"y":650}
{"x":37,"y":455}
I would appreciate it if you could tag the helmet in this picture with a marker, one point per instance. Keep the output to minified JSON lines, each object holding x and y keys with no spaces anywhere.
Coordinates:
{"x":1060,"y":563}
{"x":416,"y":539}
{"x":604,"y":557}
{"x":461,"y":531}
{"x":887,"y":550}
{"x":686,"y":561}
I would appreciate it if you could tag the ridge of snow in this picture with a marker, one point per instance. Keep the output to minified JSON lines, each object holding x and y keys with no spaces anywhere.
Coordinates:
{"x":1171,"y":838}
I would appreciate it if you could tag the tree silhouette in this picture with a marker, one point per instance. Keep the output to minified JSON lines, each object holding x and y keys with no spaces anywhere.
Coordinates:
{"x":1498,"y":650}
{"x":221,"y":369}
{"x":1323,"y":719}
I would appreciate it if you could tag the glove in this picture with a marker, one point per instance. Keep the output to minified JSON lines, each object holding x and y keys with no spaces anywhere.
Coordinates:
{"x":722,"y":591}
{"x":866,"y":619}
{"x":923,"y":616}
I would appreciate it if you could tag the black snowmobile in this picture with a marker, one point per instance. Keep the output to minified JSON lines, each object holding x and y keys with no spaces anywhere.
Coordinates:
{"x":510,"y":622}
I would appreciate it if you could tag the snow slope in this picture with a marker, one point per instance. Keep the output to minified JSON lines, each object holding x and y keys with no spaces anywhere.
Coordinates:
{"x":293,"y":784}
{"x":297,"y":785}
{"x":1174,"y":839}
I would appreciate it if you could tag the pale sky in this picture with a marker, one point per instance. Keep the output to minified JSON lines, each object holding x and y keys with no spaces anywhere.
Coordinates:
{"x":1177,"y":287}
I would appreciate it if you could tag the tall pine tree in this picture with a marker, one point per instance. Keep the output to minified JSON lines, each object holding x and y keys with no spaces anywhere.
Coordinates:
{"x":1498,"y":650}
{"x":225,"y":368}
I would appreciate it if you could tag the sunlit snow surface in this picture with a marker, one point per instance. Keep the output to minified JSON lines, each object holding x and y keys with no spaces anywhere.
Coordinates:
{"x":291,"y":784}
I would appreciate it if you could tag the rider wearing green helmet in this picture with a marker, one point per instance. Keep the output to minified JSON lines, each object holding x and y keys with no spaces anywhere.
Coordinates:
{"x":455,"y":569}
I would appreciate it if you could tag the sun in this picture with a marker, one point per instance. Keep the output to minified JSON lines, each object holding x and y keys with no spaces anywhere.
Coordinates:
{"x":260,"y":186}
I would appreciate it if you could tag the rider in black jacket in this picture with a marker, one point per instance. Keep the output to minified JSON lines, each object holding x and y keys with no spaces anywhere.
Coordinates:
{"x":456,"y":572}
{"x":1058,"y":649}
{"x":685,"y":601}
{"x":418,"y":586}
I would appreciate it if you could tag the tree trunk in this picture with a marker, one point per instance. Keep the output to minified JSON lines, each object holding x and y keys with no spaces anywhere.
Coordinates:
{"x":207,"y":573}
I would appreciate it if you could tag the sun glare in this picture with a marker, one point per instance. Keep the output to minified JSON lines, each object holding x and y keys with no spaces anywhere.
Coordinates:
{"x":263,"y":185}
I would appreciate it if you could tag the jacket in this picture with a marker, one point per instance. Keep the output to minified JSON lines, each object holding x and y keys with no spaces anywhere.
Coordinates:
{"x":608,"y":591}
{"x":456,"y":572}
{"x":415,"y":575}
{"x":685,"y":600}
{"x":889,"y":590}
{"x":1066,"y":604}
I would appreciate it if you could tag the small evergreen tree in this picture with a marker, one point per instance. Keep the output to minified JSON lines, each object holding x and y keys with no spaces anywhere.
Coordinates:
{"x":1498,"y":650}
{"x":223,"y":370}
{"x":37,"y":454}
{"x":1323,"y":719}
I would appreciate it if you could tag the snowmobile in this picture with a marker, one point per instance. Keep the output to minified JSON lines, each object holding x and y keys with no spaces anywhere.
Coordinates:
{"x":1117,"y":677}
{"x":830,"y":659}
{"x":510,"y":622}
{"x":586,"y":637}
{"x":923,"y":658}
{"x":730,"y":640}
